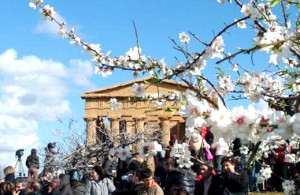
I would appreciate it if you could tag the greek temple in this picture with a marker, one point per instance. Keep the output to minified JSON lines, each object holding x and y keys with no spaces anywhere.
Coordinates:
{"x":134,"y":114}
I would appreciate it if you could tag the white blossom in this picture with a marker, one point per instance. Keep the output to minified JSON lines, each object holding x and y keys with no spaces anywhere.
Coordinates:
{"x":184,"y":38}
{"x":244,"y":150}
{"x":135,"y":54}
{"x":47,"y":11}
{"x":241,"y":24}
{"x":112,"y":152}
{"x":149,"y":149}
{"x":138,"y":89}
{"x":264,"y":173}
{"x":76,"y":41}
{"x":114,"y":104}
{"x":123,"y":153}
{"x":289,"y":187}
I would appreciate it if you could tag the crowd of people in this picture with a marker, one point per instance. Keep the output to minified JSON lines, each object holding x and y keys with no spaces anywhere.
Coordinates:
{"x":219,"y":174}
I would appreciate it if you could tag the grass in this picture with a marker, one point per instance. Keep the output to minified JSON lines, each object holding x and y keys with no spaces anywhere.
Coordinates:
{"x":266,"y":193}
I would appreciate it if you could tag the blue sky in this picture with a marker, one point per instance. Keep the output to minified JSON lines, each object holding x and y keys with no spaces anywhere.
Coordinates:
{"x":42,"y":76}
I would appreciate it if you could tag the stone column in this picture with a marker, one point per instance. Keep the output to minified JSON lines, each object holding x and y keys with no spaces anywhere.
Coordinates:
{"x":129,"y":126}
{"x":165,"y":127}
{"x":91,"y":135}
{"x":139,"y":123}
{"x":114,"y":124}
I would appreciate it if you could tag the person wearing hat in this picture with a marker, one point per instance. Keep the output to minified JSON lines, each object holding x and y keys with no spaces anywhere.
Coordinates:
{"x":77,"y":186}
{"x":207,"y":183}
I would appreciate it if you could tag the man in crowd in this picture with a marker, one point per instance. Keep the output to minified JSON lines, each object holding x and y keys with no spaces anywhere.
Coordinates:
{"x":33,"y":164}
{"x":150,"y":187}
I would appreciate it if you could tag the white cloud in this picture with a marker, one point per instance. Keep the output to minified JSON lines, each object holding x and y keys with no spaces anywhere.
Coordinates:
{"x":34,"y":90}
{"x":49,"y":27}
{"x":261,"y":105}
{"x":16,"y":133}
{"x":80,"y":72}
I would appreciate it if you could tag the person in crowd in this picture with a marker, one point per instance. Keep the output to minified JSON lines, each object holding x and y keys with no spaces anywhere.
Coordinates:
{"x":45,"y":182}
{"x":33,"y":164}
{"x":33,"y":188}
{"x":222,"y":149}
{"x":160,"y":172}
{"x":178,"y":190}
{"x":77,"y":186}
{"x":100,"y":184}
{"x":65,"y":185}
{"x":150,"y":187}
{"x":54,"y":186}
{"x":198,"y":146}
{"x":8,"y":188}
{"x":21,"y":187}
{"x":9,"y":173}
{"x":207,"y":183}
{"x":137,"y":182}
{"x":230,"y":180}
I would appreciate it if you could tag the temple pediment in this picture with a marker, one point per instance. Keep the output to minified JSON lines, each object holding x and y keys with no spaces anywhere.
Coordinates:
{"x":125,"y":89}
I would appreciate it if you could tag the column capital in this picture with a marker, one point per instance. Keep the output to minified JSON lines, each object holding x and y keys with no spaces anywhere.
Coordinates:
{"x":139,"y":117}
{"x":114,"y":117}
{"x":166,"y":116}
{"x":89,"y":119}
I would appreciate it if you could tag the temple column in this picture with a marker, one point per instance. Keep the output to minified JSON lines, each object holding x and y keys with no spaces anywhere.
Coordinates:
{"x":139,"y":123}
{"x":114,"y":124}
{"x":91,"y":131}
{"x":165,"y":127}
{"x":129,"y":126}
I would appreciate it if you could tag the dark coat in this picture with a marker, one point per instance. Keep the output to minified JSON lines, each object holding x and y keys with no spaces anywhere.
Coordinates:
{"x":55,"y":191}
{"x":234,"y":183}
{"x":11,"y":178}
{"x":214,"y":188}
{"x":178,"y":179}
{"x":78,"y":189}
{"x":33,"y":160}
{"x":65,"y":185}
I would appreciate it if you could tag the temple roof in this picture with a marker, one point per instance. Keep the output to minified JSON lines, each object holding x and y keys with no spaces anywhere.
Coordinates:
{"x":125,"y":89}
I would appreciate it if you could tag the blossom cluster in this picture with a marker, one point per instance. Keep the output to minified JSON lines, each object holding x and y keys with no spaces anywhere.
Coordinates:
{"x":146,"y":150}
{"x":258,"y":85}
{"x":182,"y":153}
{"x":289,"y":187}
{"x":248,"y":124}
{"x":264,"y":174}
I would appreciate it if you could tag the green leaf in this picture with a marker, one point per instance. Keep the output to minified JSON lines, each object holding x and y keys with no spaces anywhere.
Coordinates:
{"x":170,"y":109}
{"x":273,"y":3}
{"x":222,"y":72}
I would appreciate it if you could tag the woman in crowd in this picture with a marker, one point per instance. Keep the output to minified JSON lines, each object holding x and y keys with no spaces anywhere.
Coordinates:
{"x":100,"y":184}
{"x":9,"y":173}
{"x":231,"y":181}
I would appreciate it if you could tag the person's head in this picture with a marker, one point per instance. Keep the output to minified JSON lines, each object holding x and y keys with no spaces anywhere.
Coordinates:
{"x":98,"y":173}
{"x":9,"y":170}
{"x":8,"y":188}
{"x":178,"y":190}
{"x":205,"y":170}
{"x":76,"y":177}
{"x":33,"y":151}
{"x":34,"y":186}
{"x":55,"y":182}
{"x":20,"y":185}
{"x":170,"y":164}
{"x":229,"y":164}
{"x":136,"y":176}
{"x":146,"y":176}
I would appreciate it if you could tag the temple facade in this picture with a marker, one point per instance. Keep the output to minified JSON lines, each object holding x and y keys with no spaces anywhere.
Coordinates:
{"x":134,"y":114}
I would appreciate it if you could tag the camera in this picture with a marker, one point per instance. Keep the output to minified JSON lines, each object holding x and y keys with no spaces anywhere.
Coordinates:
{"x":20,"y":153}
